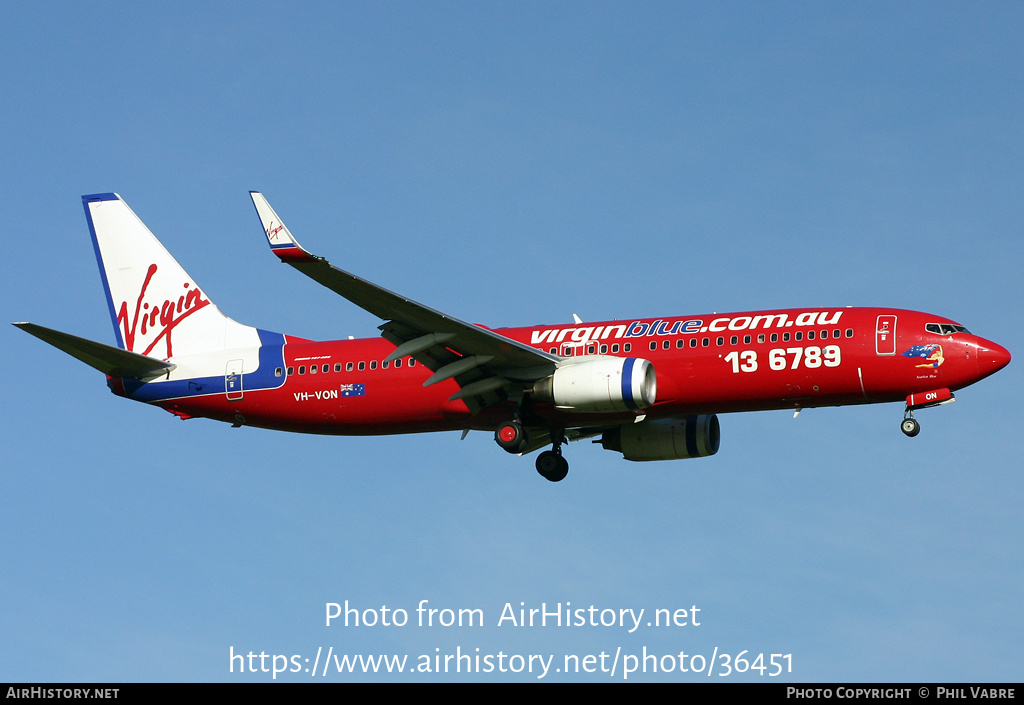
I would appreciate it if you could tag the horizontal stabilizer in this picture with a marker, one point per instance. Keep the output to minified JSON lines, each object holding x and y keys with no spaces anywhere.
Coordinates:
{"x":105,"y":358}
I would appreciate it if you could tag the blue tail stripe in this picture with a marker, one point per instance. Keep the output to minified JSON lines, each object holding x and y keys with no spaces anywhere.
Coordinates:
{"x":271,"y":356}
{"x":86,"y":200}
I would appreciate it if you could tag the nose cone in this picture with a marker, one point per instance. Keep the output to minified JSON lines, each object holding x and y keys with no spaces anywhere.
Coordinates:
{"x":991,"y":357}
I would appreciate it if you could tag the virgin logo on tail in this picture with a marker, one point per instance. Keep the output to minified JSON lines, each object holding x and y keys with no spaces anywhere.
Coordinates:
{"x":157,"y":319}
{"x":272,"y":231}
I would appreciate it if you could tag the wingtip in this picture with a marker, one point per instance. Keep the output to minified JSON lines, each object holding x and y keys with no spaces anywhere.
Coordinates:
{"x":282,"y":242}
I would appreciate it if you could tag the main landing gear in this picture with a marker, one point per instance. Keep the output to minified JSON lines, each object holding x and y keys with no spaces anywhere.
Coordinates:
{"x":551,"y":465}
{"x":910,"y":426}
{"x":512,"y":437}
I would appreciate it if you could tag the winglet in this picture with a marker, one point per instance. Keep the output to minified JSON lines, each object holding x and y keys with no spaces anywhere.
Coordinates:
{"x":280,"y":239}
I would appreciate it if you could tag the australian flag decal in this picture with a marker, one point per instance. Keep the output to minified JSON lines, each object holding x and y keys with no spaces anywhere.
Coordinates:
{"x":353,"y":390}
{"x":932,"y":354}
{"x":920,"y":351}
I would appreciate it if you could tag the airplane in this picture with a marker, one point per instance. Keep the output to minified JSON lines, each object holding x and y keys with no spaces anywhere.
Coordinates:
{"x":650,"y":388}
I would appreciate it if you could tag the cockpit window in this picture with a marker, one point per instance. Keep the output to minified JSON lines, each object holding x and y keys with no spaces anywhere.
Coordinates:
{"x":945,"y":328}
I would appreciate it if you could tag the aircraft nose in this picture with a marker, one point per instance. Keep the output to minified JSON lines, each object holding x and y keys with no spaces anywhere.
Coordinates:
{"x":991,"y":357}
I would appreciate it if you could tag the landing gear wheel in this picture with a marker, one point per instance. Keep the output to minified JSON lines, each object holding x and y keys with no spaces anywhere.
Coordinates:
{"x":510,"y":436}
{"x":910,"y":426}
{"x":552,"y":466}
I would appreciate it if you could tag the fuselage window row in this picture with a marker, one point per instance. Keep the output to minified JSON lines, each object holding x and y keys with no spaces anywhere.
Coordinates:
{"x":592,"y":349}
{"x":349,"y":367}
{"x":786,"y":337}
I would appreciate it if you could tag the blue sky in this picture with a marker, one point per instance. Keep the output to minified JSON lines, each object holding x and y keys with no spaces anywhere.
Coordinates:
{"x":512,"y":164}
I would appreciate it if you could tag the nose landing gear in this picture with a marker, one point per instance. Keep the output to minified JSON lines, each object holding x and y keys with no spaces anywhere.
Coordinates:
{"x":922,"y":400}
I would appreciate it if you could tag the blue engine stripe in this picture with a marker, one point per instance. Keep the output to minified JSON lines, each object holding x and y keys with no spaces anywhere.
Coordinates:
{"x":691,"y":437}
{"x":627,"y":382}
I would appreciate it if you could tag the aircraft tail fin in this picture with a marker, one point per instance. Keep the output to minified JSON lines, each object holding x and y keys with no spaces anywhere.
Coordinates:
{"x":157,"y":309}
{"x":105,"y":358}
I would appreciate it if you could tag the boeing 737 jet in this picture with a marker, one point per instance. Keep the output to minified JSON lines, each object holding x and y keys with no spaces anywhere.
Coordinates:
{"x":648,"y":388}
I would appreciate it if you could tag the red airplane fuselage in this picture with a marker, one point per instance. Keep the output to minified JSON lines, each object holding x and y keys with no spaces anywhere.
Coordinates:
{"x":705,"y":364}
{"x":650,"y":388}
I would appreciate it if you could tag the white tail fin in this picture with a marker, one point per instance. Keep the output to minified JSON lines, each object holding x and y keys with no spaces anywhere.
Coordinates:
{"x":156,"y":307}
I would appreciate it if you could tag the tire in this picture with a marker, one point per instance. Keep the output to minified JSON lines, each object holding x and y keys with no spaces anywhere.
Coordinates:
{"x":910,"y":427}
{"x":552,"y":466}
{"x":511,"y":437}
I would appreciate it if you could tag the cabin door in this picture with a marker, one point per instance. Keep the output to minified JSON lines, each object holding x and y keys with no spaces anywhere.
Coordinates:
{"x":233,"y":380}
{"x":885,"y":335}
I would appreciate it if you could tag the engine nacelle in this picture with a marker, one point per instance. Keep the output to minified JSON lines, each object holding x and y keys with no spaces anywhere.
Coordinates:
{"x":600,"y":384}
{"x":666,"y":439}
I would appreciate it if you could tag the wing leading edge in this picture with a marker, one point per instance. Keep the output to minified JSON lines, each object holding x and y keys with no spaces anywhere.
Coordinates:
{"x":486,"y":365}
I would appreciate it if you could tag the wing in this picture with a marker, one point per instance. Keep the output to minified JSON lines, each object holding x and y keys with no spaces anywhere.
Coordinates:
{"x":486,"y":365}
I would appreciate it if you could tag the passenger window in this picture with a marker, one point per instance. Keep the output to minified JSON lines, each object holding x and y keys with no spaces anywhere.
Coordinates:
{"x":278,"y":372}
{"x":291,"y":371}
{"x":337,"y":367}
{"x":312,"y":369}
{"x":373,"y":364}
{"x":362,"y":366}
{"x":302,"y":369}
{"x":348,"y":366}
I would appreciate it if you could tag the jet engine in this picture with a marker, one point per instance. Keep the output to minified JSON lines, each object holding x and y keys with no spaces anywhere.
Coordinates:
{"x":600,"y":384}
{"x":665,"y":439}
